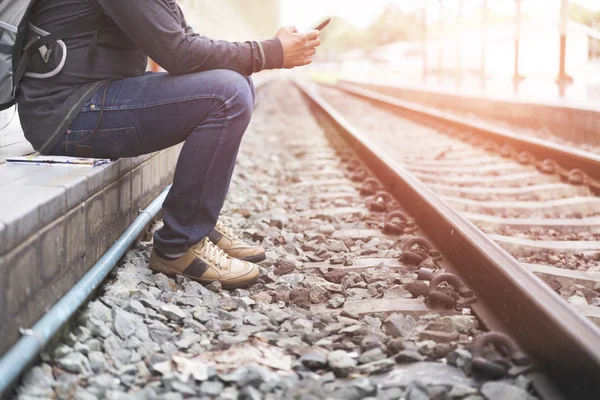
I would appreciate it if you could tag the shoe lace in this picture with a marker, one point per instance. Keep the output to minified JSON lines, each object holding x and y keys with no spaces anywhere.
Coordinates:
{"x":213,"y":254}
{"x":227,"y":231}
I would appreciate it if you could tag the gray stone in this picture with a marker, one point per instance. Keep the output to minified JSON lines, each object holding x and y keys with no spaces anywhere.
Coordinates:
{"x":314,"y":360}
{"x":437,"y":392}
{"x":244,"y":376}
{"x":257,"y":319}
{"x":414,"y":393}
{"x":38,"y":382}
{"x":503,"y":391}
{"x":302,"y":324}
{"x":337,"y":246}
{"x":74,"y":362}
{"x":250,"y":393}
{"x":327,"y":229}
{"x":441,"y":325}
{"x":83,"y":334}
{"x":172,"y":312}
{"x":95,"y":309}
{"x":292,"y":279}
{"x":183,"y":388}
{"x":229,"y":393}
{"x":164,"y":368}
{"x":119,"y":357}
{"x":123,"y":324}
{"x":461,"y":391}
{"x":408,"y":356}
{"x":61,"y":351}
{"x":82,"y":348}
{"x":168,"y":348}
{"x":336,"y":302}
{"x":428,"y":373}
{"x":372,"y":321}
{"x":464,"y":324}
{"x":94,"y":345}
{"x":372,"y":355}
{"x":97,"y":327}
{"x":393,"y":393}
{"x":97,"y":361}
{"x":159,"y":332}
{"x":460,"y":358}
{"x":70,"y":339}
{"x":396,"y":325}
{"x":341,"y":363}
{"x":171,"y":396}
{"x":318,"y":294}
{"x":82,"y":394}
{"x":147,"y":299}
{"x":187,"y":339}
{"x":215,"y":287}
{"x":137,"y":307}
{"x":211,"y":388}
{"x":290,"y":343}
{"x":100,"y":384}
{"x":377,"y":367}
{"x":439,"y":336}
{"x":163,"y":282}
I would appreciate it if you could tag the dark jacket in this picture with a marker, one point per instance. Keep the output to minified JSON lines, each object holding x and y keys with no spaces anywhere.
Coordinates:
{"x":130,"y":31}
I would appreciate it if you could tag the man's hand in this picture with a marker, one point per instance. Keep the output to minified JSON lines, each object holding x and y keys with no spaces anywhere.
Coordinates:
{"x":298,"y":48}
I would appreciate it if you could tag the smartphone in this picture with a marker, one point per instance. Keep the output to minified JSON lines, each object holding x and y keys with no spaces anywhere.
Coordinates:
{"x":323,"y":24}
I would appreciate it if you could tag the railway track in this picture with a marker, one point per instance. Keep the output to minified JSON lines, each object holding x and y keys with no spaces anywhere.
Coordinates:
{"x":387,"y":296}
{"x":528,"y":205}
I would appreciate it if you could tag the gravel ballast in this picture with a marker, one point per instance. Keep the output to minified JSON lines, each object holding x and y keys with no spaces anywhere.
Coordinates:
{"x":150,"y":336}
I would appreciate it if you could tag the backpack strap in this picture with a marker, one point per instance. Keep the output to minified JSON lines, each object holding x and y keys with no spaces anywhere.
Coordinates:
{"x":80,"y":26}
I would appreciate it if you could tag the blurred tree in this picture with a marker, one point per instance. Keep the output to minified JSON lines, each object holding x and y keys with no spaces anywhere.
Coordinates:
{"x":583,"y":15}
{"x":393,"y":25}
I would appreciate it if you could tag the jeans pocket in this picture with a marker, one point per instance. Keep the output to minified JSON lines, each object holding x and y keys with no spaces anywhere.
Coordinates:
{"x":104,"y":143}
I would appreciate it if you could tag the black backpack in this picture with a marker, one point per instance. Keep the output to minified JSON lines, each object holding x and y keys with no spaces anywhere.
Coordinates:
{"x":19,"y":41}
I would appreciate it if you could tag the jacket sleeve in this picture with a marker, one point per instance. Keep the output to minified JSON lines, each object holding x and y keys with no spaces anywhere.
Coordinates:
{"x":156,"y":29}
{"x":188,"y":29}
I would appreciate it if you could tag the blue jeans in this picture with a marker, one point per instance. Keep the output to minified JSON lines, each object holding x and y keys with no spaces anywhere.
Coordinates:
{"x":208,"y":110}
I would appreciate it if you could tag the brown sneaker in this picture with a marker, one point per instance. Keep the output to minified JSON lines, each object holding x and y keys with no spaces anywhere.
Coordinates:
{"x":224,"y":237}
{"x":206,"y":263}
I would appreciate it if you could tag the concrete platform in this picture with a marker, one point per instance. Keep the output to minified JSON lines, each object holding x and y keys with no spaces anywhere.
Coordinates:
{"x":57,"y":221}
{"x":577,"y":121}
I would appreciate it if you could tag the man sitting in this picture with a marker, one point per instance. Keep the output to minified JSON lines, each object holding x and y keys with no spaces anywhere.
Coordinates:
{"x":89,"y":95}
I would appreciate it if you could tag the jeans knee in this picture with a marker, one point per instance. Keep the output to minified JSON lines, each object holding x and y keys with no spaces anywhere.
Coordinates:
{"x":240,"y":95}
{"x":252,"y":89}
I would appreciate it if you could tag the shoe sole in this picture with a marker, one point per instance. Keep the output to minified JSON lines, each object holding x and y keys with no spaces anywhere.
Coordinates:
{"x":255,"y":259}
{"x":205,"y":282}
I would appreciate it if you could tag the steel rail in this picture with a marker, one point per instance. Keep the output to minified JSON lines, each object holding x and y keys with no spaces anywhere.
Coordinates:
{"x":565,"y":344}
{"x":566,"y":156}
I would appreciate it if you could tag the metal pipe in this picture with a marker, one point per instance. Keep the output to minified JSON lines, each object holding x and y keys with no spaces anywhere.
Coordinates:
{"x":25,"y":351}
